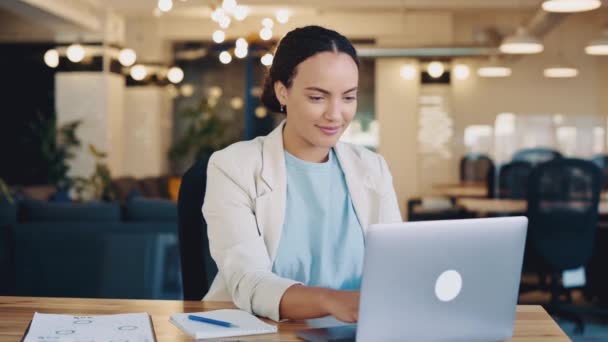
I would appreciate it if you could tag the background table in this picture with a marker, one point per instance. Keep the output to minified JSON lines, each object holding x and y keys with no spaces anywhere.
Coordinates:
{"x":532,"y":324}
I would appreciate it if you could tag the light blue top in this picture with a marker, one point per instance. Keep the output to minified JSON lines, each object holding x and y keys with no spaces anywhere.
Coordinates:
{"x":322,"y":241}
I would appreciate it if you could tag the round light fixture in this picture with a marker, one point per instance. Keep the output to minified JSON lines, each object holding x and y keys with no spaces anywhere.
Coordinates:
{"x":261,"y":112}
{"x":408,"y":72}
{"x":267,"y":59}
{"x":138,"y":72}
{"x":570,"y":6}
{"x":236,"y":103}
{"x":175,"y":75}
{"x":242,"y":43}
{"x":219,"y":36}
{"x":217,"y":14}
{"x":493,"y":71}
{"x":598,"y":46}
{"x":225,"y":57}
{"x":521,"y":43}
{"x":266,"y":33}
{"x":51,"y":58}
{"x":75,"y":53}
{"x":435,"y":69}
{"x":165,"y":5}
{"x":127,"y":57}
{"x":282,"y":16}
{"x":461,"y":71}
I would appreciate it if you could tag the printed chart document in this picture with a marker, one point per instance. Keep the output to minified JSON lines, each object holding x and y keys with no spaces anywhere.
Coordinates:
{"x":246,"y":324}
{"x":136,"y":327}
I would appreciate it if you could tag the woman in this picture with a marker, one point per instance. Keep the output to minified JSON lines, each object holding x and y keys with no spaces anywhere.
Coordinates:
{"x":286,"y":213}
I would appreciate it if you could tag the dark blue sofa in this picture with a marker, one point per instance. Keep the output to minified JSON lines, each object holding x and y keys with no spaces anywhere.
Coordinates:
{"x":98,"y":250}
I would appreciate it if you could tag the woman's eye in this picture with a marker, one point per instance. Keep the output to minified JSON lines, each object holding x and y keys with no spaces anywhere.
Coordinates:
{"x":315,"y":98}
{"x":350,"y":98}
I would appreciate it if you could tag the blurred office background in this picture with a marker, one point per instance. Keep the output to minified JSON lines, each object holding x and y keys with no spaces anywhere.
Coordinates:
{"x":481,"y":108}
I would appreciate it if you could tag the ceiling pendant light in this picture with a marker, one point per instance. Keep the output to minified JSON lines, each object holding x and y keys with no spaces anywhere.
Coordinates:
{"x":494,"y":69}
{"x":521,"y":43}
{"x":570,"y":6}
{"x":51,"y":58}
{"x":75,"y":53}
{"x":560,"y":71}
{"x":435,"y":69}
{"x":598,"y":46}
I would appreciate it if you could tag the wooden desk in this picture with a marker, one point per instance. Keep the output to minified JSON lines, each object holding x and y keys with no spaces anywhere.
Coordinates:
{"x":484,"y":206}
{"x":462,"y":189}
{"x":532,"y":324}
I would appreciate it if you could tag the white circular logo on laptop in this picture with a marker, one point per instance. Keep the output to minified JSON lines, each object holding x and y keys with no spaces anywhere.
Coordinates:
{"x":448,"y":285}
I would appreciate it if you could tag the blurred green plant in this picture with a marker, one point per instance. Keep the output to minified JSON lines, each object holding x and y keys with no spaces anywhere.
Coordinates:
{"x":5,"y":192}
{"x":205,"y":133}
{"x":98,"y":186}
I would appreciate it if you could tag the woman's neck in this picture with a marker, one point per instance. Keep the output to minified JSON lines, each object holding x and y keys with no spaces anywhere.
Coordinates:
{"x":302,"y":149}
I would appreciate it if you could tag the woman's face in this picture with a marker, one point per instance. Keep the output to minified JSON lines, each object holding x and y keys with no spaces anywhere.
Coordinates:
{"x":322,"y":99}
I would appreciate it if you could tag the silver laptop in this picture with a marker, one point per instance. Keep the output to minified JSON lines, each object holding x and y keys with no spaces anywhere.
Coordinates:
{"x":453,"y":280}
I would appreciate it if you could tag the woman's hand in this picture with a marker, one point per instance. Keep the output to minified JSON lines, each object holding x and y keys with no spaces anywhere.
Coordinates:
{"x":344,"y":305}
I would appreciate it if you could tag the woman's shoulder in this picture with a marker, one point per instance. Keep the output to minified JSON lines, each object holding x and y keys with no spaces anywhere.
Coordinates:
{"x":363,"y":153}
{"x":240,"y":153}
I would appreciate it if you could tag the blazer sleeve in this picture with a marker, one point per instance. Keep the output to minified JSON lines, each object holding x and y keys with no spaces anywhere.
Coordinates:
{"x":235,"y":243}
{"x":389,"y":206}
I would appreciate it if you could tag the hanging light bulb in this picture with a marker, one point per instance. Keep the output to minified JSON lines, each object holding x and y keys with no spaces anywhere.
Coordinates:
{"x":75,"y":53}
{"x":266,"y":33}
{"x":240,"y":51}
{"x":217,"y":14}
{"x":225,"y":22}
{"x":127,"y":57}
{"x":461,"y":71}
{"x":51,"y":58}
{"x":435,"y":69}
{"x":241,"y":42}
{"x":267,"y":22}
{"x":229,"y":5}
{"x":521,"y":43}
{"x":267,"y":59}
{"x":598,"y":46}
{"x":570,"y":6}
{"x":225,"y":57}
{"x":282,"y":16}
{"x":175,"y":75}
{"x":219,"y":36}
{"x":165,"y":5}
{"x":408,"y":72}
{"x":138,"y":72}
{"x":241,"y":12}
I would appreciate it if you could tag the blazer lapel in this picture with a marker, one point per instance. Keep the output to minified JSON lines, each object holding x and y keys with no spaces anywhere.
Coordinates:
{"x":272,"y":190}
{"x":360,"y":185}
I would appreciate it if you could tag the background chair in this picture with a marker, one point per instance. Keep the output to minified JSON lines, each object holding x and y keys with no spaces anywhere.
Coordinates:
{"x":198,"y":268}
{"x":475,"y":167}
{"x":512,"y":180}
{"x":602,"y":162}
{"x":563,"y":197}
{"x":536,"y":155}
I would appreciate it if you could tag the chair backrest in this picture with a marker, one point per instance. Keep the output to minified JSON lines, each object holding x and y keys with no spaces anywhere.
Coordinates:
{"x":602,"y":162}
{"x":198,"y":268}
{"x":475,"y":167}
{"x":513,"y":180}
{"x":563,"y":197}
{"x":536,"y":155}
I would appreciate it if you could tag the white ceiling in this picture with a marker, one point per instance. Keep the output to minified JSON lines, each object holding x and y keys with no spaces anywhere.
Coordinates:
{"x":202,"y":7}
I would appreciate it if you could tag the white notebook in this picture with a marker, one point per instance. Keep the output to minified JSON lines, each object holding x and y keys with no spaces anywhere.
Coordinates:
{"x":246,"y":324}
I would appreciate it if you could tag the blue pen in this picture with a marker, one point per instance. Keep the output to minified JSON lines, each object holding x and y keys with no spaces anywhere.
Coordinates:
{"x":211,"y":321}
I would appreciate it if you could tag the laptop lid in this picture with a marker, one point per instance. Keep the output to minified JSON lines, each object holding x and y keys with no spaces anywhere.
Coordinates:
{"x":452,"y":280}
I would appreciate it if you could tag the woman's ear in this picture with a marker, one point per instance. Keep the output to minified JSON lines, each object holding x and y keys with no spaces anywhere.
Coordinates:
{"x":280,"y":92}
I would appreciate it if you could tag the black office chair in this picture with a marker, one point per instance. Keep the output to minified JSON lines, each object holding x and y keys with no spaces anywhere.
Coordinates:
{"x":475,"y":167}
{"x":536,"y":155}
{"x":563,"y":197}
{"x":602,"y":162}
{"x":513,"y":180}
{"x":198,"y":268}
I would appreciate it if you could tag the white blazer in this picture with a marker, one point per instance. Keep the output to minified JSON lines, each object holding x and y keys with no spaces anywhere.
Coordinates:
{"x":244,"y":208}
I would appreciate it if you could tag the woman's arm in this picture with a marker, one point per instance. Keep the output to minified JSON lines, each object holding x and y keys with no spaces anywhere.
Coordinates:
{"x":304,"y":302}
